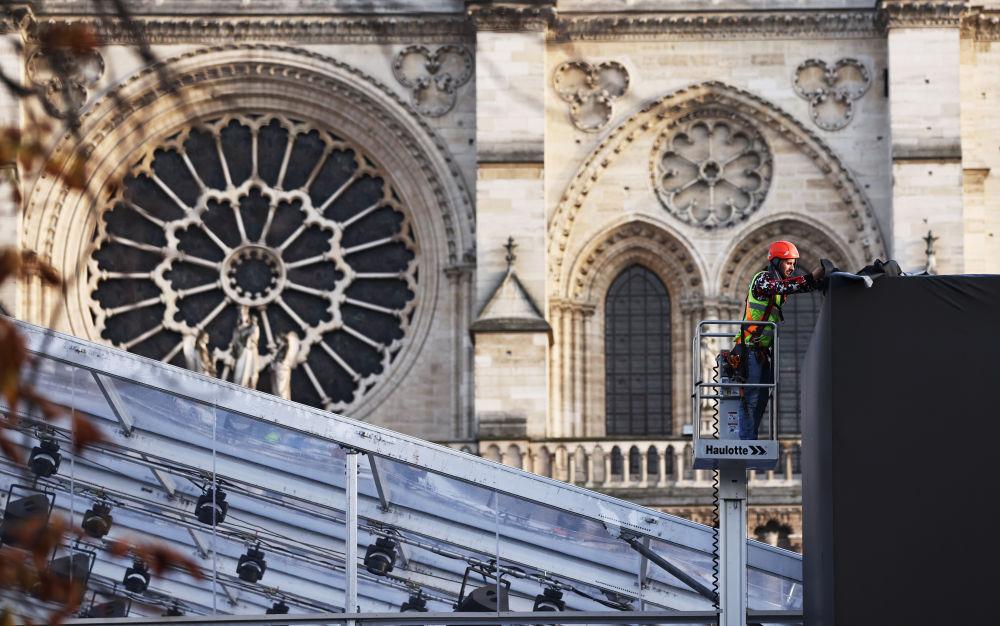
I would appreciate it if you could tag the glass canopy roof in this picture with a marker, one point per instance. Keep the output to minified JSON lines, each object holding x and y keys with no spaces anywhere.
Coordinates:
{"x":171,"y":434}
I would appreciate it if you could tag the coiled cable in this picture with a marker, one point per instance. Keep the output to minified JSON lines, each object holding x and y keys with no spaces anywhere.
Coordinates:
{"x":715,"y":487}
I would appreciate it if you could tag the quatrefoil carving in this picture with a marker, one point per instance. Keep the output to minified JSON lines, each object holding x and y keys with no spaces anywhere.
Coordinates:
{"x":433,"y":77}
{"x":64,"y":78}
{"x":832,"y":90}
{"x":590,"y":91}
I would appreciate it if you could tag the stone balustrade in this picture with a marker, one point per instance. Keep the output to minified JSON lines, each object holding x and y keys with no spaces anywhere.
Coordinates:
{"x":622,"y":463}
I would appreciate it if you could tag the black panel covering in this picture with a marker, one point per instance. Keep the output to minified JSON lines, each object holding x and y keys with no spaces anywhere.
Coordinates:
{"x":900,"y":428}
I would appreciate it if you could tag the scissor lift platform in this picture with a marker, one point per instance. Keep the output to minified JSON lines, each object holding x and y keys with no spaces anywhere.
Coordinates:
{"x":725,"y":392}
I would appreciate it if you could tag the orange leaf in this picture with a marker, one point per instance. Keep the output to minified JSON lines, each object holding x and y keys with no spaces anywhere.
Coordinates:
{"x":85,"y":433}
{"x":10,"y":450}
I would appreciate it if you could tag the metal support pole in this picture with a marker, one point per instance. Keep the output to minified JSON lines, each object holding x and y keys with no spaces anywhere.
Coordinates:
{"x":733,"y":544}
{"x":351,"y":536}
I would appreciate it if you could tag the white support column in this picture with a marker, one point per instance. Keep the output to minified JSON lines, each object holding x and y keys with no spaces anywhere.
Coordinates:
{"x":733,"y":544}
{"x":351,"y":523}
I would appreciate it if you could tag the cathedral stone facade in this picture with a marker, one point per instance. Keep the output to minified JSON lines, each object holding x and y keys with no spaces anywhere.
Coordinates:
{"x":496,"y":224}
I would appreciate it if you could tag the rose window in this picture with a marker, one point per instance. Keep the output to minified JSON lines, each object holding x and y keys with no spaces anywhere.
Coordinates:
{"x":711,"y":169}
{"x":262,"y":223}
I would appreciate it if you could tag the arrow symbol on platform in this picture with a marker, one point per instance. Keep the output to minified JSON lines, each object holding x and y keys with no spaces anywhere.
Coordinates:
{"x":756,"y":450}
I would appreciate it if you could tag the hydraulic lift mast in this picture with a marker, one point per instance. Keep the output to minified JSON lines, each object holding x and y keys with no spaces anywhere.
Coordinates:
{"x":717,"y":446}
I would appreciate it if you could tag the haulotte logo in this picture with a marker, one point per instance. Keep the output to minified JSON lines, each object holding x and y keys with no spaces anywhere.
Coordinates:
{"x":735,"y":450}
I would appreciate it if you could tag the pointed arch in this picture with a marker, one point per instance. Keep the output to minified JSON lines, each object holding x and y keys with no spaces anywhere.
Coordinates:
{"x":866,"y":239}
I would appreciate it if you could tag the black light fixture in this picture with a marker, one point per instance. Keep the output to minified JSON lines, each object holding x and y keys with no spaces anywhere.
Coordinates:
{"x":173,"y":611}
{"x":278,"y":608}
{"x":24,"y":513}
{"x":549,"y":600}
{"x":73,"y":567}
{"x":136,"y":577}
{"x":251,"y":566}
{"x":485,"y":599}
{"x":117,"y":607}
{"x":45,"y":458}
{"x":97,"y":520}
{"x":211,"y":507}
{"x":381,"y":556}
{"x":415,"y":604}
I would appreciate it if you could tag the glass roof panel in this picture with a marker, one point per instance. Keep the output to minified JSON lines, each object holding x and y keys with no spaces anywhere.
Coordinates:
{"x":172,"y":434}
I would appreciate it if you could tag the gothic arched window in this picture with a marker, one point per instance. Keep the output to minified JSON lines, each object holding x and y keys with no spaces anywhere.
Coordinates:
{"x":637,"y":354}
{"x":800,"y":313}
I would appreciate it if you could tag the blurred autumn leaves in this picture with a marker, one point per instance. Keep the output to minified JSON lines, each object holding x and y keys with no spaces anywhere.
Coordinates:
{"x":49,"y":105}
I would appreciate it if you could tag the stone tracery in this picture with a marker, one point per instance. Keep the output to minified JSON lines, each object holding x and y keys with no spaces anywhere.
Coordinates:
{"x":711,"y":168}
{"x":268,"y":218}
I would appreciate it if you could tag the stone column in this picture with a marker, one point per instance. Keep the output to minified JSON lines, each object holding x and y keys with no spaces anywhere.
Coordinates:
{"x":590,"y":470}
{"x":555,"y":371}
{"x":510,"y":144}
{"x":662,"y":479}
{"x":924,"y":112}
{"x":460,"y":281}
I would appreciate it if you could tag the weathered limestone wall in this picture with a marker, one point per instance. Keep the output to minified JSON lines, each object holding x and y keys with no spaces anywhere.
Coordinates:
{"x":10,"y":211}
{"x":511,"y":382}
{"x":924,"y":95}
{"x":765,"y":68}
{"x":980,"y":154}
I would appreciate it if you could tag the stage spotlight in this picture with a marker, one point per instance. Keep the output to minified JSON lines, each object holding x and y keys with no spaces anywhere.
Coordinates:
{"x":381,"y":556}
{"x":118,"y":607}
{"x":20,"y":515}
{"x":549,"y":600}
{"x":415,"y":604}
{"x":136,"y":577}
{"x":97,"y":520}
{"x":211,"y":507}
{"x":278,"y":608}
{"x":251,"y":566}
{"x":173,"y":611}
{"x":45,"y":458}
{"x":484,"y":600}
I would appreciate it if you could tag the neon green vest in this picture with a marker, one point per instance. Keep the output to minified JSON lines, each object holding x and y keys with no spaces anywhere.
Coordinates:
{"x":755,"y":311}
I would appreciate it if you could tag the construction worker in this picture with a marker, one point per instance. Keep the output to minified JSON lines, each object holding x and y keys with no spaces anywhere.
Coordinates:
{"x":766,"y":294}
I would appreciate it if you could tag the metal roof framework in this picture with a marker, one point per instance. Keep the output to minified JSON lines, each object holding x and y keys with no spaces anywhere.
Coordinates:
{"x":285,"y":468}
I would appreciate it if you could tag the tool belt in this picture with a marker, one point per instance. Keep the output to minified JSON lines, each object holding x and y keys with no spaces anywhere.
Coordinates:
{"x":739,"y":359}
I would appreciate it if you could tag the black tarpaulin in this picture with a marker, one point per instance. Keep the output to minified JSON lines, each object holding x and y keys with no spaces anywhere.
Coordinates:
{"x":901,"y":439}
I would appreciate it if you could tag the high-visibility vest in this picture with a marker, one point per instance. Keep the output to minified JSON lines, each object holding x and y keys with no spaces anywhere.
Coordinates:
{"x":754,"y":311}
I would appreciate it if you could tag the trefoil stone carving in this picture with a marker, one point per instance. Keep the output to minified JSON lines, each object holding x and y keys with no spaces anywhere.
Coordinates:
{"x":711,"y":168}
{"x":590,"y":91}
{"x":832,"y":90}
{"x":433,"y":77}
{"x":64,"y":78}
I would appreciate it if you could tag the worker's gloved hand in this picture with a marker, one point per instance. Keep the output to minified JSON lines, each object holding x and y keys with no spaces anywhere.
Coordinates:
{"x":822,"y":274}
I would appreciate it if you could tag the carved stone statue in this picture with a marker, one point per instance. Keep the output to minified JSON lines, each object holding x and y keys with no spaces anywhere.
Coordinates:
{"x":244,"y":345}
{"x":197,"y":354}
{"x":281,"y":366}
{"x":709,"y":350}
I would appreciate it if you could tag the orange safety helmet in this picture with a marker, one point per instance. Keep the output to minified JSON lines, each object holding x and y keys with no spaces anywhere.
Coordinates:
{"x":782,"y":250}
